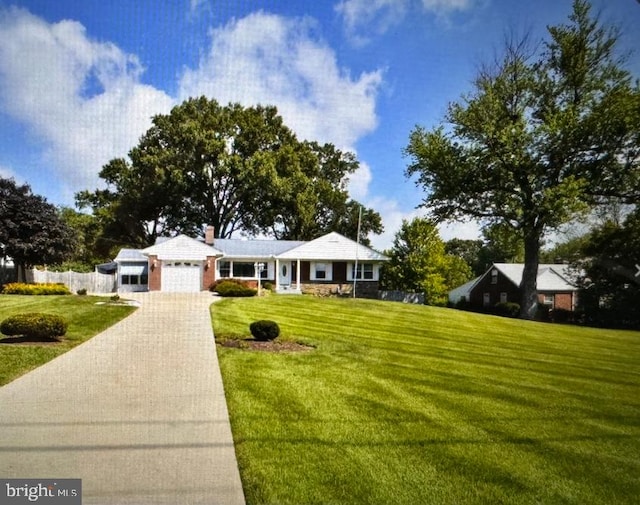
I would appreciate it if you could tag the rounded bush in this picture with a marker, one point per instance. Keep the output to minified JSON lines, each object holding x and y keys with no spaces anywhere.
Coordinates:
{"x":34,"y":325}
{"x":264,"y":330}
{"x":233,"y":288}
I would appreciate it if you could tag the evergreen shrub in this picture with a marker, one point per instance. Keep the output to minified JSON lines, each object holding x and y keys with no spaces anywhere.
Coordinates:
{"x":264,"y":330}
{"x":34,"y":325}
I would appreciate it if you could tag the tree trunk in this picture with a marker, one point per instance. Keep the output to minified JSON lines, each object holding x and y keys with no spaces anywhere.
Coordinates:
{"x":529,"y":283}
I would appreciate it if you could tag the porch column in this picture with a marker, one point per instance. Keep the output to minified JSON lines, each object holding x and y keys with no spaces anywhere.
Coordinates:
{"x":298,"y":275}
{"x":277,"y":274}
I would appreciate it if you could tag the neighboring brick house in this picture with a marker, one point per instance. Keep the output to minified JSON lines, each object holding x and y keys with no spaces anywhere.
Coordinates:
{"x":501,"y":283}
{"x":326,"y":265}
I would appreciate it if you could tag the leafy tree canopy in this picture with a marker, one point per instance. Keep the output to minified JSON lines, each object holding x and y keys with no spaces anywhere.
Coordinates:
{"x":541,"y":139}
{"x":236,"y":168}
{"x":31,"y":231}
{"x":418,"y":262}
{"x":611,"y":280}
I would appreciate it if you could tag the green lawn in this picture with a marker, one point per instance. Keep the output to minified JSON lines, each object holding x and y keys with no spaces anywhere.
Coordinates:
{"x":415,"y":405}
{"x":86,"y":319}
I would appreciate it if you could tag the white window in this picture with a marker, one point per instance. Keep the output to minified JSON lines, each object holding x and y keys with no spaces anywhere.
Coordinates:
{"x":242,"y":269}
{"x":503,"y":298}
{"x":486,"y":299}
{"x":225,"y":269}
{"x":246,"y":269}
{"x":321,"y":271}
{"x":494,"y":276}
{"x":548,"y":300}
{"x":365,"y":272}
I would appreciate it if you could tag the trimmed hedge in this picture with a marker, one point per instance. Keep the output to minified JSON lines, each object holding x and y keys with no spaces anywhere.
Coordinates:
{"x":232,"y":287}
{"x":21,"y":288}
{"x":507,"y":309}
{"x":264,"y":330}
{"x":34,"y":325}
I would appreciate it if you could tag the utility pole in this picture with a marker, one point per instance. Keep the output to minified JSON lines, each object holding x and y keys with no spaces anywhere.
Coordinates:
{"x":355,"y":270}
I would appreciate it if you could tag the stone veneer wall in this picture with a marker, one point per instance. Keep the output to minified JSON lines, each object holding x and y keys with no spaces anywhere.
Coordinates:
{"x":364,"y":289}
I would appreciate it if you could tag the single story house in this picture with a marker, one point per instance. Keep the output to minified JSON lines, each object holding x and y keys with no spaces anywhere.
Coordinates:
{"x":501,"y":283}
{"x":326,"y":265}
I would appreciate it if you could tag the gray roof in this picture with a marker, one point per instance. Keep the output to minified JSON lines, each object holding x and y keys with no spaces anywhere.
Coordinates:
{"x":239,"y":248}
{"x":462,"y":291}
{"x":333,"y":247}
{"x":130,"y":255}
{"x":551,"y":277}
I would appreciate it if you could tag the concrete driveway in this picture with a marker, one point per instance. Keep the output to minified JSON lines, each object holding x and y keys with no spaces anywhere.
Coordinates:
{"x":138,"y":412}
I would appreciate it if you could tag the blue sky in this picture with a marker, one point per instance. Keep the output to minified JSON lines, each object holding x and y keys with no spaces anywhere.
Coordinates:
{"x":79,"y":81}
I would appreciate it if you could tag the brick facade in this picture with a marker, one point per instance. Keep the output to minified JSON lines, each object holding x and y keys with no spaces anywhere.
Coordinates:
{"x":209,"y":274}
{"x":495,"y":288}
{"x":155,"y":273}
{"x":563,"y":301}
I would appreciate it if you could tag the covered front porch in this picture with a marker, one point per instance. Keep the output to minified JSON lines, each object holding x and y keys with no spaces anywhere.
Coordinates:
{"x":287,"y":276}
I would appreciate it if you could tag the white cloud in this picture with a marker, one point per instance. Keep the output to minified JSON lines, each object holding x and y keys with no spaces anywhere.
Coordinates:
{"x":273,"y":60}
{"x":466,"y":230}
{"x":366,"y":18}
{"x":358,"y":185}
{"x":83,"y":98}
{"x":7,"y":173}
{"x":377,"y":16}
{"x":392,"y":216}
{"x":441,"y":7}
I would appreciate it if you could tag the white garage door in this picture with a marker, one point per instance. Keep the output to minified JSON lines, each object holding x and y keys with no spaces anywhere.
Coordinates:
{"x":181,"y":276}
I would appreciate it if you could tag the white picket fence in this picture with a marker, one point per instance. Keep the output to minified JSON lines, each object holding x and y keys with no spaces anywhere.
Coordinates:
{"x":93,"y":282}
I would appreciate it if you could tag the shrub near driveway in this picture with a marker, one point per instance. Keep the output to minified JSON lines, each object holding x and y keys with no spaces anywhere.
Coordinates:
{"x":34,"y":325}
{"x":38,"y":289}
{"x":85,"y":319}
{"x":403,"y":404}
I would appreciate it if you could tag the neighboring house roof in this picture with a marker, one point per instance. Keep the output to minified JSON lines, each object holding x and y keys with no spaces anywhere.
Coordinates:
{"x":181,"y":248}
{"x":255,"y":248}
{"x":332,"y":247}
{"x":551,"y":277}
{"x":129,"y":255}
{"x":455,"y":295}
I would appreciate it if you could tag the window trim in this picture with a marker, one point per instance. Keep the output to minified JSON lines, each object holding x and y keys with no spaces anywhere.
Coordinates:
{"x":327,"y":270}
{"x":365,"y":267}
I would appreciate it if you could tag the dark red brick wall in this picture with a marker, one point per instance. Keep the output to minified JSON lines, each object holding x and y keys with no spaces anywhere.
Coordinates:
{"x":209,"y":275}
{"x":155,"y":273}
{"x":562,"y":301}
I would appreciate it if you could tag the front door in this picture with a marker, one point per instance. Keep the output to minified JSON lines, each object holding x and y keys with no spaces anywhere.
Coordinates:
{"x":285,"y":275}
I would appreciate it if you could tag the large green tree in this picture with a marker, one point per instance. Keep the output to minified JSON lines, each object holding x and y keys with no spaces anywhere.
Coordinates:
{"x":542,"y":138}
{"x":89,"y":245}
{"x":610,"y":280}
{"x":31,"y":230}
{"x":418,"y":262}
{"x":236,"y":168}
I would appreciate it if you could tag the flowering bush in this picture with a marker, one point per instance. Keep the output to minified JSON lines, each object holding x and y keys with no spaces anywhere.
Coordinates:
{"x":20,"y":288}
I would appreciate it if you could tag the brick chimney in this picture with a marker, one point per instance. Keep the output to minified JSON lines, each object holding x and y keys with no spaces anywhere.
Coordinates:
{"x":209,"y":235}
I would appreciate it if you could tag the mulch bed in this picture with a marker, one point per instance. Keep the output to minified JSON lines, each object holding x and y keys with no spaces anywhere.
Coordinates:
{"x":30,"y":340}
{"x":273,"y":346}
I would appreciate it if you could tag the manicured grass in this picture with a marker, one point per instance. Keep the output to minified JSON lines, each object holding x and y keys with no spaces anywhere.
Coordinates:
{"x":413,"y":405}
{"x":86,"y":319}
